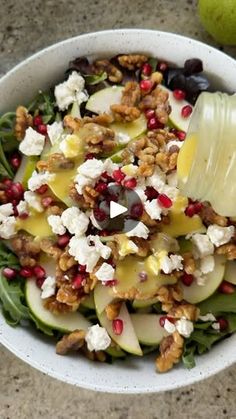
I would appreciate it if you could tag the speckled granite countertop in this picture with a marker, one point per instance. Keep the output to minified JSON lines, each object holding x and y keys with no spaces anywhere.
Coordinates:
{"x":26,"y":27}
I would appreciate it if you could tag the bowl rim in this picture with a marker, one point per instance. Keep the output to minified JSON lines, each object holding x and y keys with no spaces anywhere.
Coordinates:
{"x":202,"y":374}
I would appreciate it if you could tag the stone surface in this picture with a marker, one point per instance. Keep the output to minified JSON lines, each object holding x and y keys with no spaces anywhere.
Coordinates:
{"x":26,"y":27}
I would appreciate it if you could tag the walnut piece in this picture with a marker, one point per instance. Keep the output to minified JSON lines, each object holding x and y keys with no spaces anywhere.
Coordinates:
{"x":55,"y":306}
{"x":113,"y":309}
{"x":55,"y":163}
{"x":69,"y":296}
{"x":168,"y":295}
{"x":189,"y":311}
{"x":66,"y":261}
{"x":113,"y":73}
{"x":26,"y":248}
{"x":103,"y":119}
{"x":99,"y":139}
{"x":23,"y":121}
{"x":131,"y":94}
{"x":209,"y":216}
{"x":167,"y":161}
{"x":50,"y":248}
{"x":124,"y":113}
{"x":94,"y":355}
{"x":228,"y":249}
{"x":71,"y":342}
{"x":189,"y":263}
{"x":171,"y":349}
{"x":157,"y":100}
{"x":132,"y":61}
{"x":73,"y":124}
{"x":90,"y":196}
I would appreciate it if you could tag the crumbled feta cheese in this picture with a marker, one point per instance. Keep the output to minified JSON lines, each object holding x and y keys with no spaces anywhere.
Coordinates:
{"x":122,"y":138}
{"x":172,"y":179}
{"x":81,"y":181}
{"x":97,"y":338}
{"x":220,"y":235}
{"x":135,"y":229}
{"x":55,"y":131}
{"x":22,"y":208}
{"x":200,"y":278}
{"x":170,"y":191}
{"x":157,"y":179}
{"x":109,"y":166}
{"x":102,"y":249}
{"x":169,"y":327}
{"x":39,"y":179}
{"x":33,"y":143}
{"x":75,"y":221}
{"x":92,"y":168}
{"x":7,"y":228}
{"x":170,"y":263}
{"x":56,"y":225}
{"x":33,"y":201}
{"x":207,"y":264}
{"x":216,"y":326}
{"x":5,"y":211}
{"x":174,"y":143}
{"x":94,"y":221}
{"x":140,"y":191}
{"x":70,"y":91}
{"x":83,"y":253}
{"x":49,"y":287}
{"x":153,"y":209}
{"x":184,"y":327}
{"x":202,"y":246}
{"x":105,"y":272}
{"x":207,"y":318}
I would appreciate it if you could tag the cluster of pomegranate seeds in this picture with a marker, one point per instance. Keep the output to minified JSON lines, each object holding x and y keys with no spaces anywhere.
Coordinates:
{"x":15,"y":161}
{"x":147,"y":69}
{"x":47,"y":201}
{"x":39,"y":125}
{"x":118,"y":175}
{"x":78,"y":281}
{"x":38,"y":120}
{"x":136,"y":210}
{"x":42,"y":129}
{"x":39,"y":272}
{"x":99,"y":214}
{"x":42,"y":190}
{"x":193,"y":208}
{"x":130,"y":183}
{"x":186,"y":111}
{"x":153,"y":123}
{"x":101,"y":187}
{"x":117,"y":326}
{"x":150,"y":113}
{"x":162,"y":66}
{"x":187,"y":279}
{"x":179,"y":94}
{"x":111,"y":283}
{"x":164,"y":201}
{"x":146,"y":85}
{"x":26,"y":272}
{"x":9,"y":273}
{"x":226,"y":288}
{"x":82,"y":269}
{"x":151,"y":193}
{"x":63,"y":240}
{"x":106,"y":177}
{"x":223,"y":323}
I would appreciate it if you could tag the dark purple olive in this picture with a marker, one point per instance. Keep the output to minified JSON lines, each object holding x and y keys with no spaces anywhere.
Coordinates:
{"x":193,"y":66}
{"x":81,"y":64}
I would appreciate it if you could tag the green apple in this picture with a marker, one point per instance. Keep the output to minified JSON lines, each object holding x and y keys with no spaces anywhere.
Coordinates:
{"x":144,"y":303}
{"x":88,"y":302}
{"x":102,"y":297}
{"x":175,"y":117}
{"x":148,"y":329}
{"x":230,"y":272}
{"x":27,"y":166}
{"x":219,"y":19}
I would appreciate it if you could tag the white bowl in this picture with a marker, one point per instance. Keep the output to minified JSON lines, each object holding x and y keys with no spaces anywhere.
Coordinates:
{"x":19,"y":86}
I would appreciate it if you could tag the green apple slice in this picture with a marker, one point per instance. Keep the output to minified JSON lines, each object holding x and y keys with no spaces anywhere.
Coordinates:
{"x":88,"y":302}
{"x":128,"y":339}
{"x":144,"y":303}
{"x":27,"y":166}
{"x":175,"y":116}
{"x":102,"y":297}
{"x":115,"y":352}
{"x":148,"y":329}
{"x":230,"y":271}
{"x":101,"y":101}
{"x":196,"y":293}
{"x":67,"y":322}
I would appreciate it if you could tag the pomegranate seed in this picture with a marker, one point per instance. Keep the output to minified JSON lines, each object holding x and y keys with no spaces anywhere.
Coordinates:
{"x":9,"y":273}
{"x":7,"y":182}
{"x":223,"y":323}
{"x":164,"y":200}
{"x":15,"y":161}
{"x":162,"y":66}
{"x":143,"y":276}
{"x":82,"y":268}
{"x":99,"y":214}
{"x":78,"y":281}
{"x":42,"y":129}
{"x":153,"y":123}
{"x":107,"y":177}
{"x":151,"y":193}
{"x":23,"y":215}
{"x":104,"y":233}
{"x":179,"y":94}
{"x":162,"y":320}
{"x":39,"y":282}
{"x":42,"y":189}
{"x":226,"y":288}
{"x":150,"y":113}
{"x":17,"y":190}
{"x":15,"y":211}
{"x":38,"y":120}
{"x":63,"y":240}
{"x":101,"y":187}
{"x":136,"y":210}
{"x":46,"y":201}
{"x":39,"y":272}
{"x":117,"y":326}
{"x":190,"y":210}
{"x":111,"y":283}
{"x":146,"y":85}
{"x":89,"y":156}
{"x":187,"y":279}
{"x":186,"y":111}
{"x":26,"y":272}
{"x":147,"y":69}
{"x":130,"y":183}
{"x":198,"y":207}
{"x":181,"y":135}
{"x":118,"y":175}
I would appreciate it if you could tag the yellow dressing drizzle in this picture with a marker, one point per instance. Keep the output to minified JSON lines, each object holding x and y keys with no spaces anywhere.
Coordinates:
{"x":36,"y":224}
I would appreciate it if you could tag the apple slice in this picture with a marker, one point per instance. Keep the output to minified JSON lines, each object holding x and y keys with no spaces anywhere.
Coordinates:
{"x":25,"y":170}
{"x":196,"y":293}
{"x":102,"y":297}
{"x":144,"y":303}
{"x":101,"y":101}
{"x":230,"y":271}
{"x":175,"y":116}
{"x":128,"y":339}
{"x":88,"y":302}
{"x":148,"y":329}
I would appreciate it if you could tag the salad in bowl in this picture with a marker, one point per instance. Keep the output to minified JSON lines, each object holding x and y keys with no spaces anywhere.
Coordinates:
{"x":100,"y":250}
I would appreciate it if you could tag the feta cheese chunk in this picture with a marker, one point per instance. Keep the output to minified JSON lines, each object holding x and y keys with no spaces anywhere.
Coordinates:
{"x":207,"y":318}
{"x":157,"y":179}
{"x":5,"y":211}
{"x":55,"y":131}
{"x":200,"y":278}
{"x":49,"y":287}
{"x":22,"y":208}
{"x":184,"y":327}
{"x":97,"y":338}
{"x":122,"y":138}
{"x":207,"y":264}
{"x":75,"y":221}
{"x":153,"y":209}
{"x":135,"y":229}
{"x":169,"y":327}
{"x":202,"y":245}
{"x":220,"y":235}
{"x":174,"y":143}
{"x":109,"y":166}
{"x":170,"y":263}
{"x":8,"y":228}
{"x":33,"y":201}
{"x":56,"y":225}
{"x":102,"y":249}
{"x":92,"y":168}
{"x":39,"y":179}
{"x":70,"y":91}
{"x":33,"y":143}
{"x":216,"y":326}
{"x":81,"y":181}
{"x":105,"y":272}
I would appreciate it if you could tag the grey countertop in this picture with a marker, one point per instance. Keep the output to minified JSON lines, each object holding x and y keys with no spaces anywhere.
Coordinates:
{"x":26,"y":27}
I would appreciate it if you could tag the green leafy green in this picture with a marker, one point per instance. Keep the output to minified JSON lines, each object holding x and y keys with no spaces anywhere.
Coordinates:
{"x":11,"y":296}
{"x":44,"y":103}
{"x":153,"y":62}
{"x":7,"y":258}
{"x":219,"y":303}
{"x":93,"y":79}
{"x":188,"y":357}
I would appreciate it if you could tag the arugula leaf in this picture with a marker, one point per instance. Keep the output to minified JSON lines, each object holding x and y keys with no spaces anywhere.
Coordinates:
{"x":219,"y":303}
{"x":153,"y":62}
{"x":40,"y":326}
{"x":45,"y":104}
{"x":7,"y":258}
{"x":4,"y":163}
{"x":11,"y":296}
{"x":93,"y":79}
{"x":188,"y":357}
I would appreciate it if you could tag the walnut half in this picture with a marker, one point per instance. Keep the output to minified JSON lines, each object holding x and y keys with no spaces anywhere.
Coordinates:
{"x":171,"y":349}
